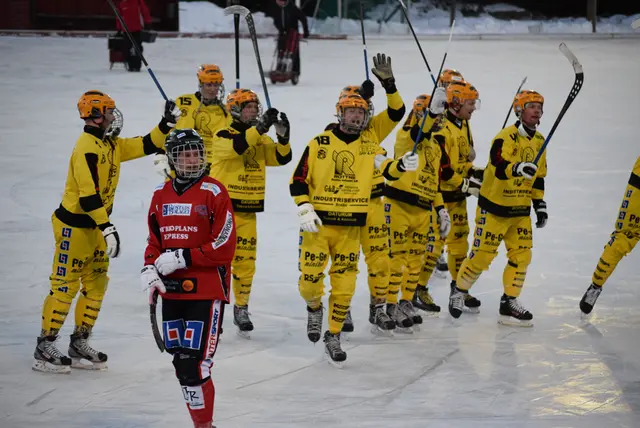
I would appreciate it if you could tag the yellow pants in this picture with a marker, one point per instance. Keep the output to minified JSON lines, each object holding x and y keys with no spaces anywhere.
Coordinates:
{"x":79,"y":261}
{"x":409,"y":236}
{"x":243,"y":266}
{"x":342,"y":245}
{"x":623,"y":239}
{"x":457,"y":241}
{"x":374,"y":238}
{"x":490,"y":231}
{"x":435,"y":245}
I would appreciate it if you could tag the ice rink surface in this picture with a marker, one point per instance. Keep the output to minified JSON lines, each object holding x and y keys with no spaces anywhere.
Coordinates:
{"x":468,"y":373}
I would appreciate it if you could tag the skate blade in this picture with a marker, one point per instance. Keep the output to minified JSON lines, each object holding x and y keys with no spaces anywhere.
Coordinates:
{"x":416,"y":328}
{"x":473,"y":311}
{"x":243,"y":334}
{"x":83,"y":364}
{"x":337,"y":364}
{"x":586,"y":317}
{"x":46,"y":367}
{"x":429,"y":314}
{"x":513,"y":322}
{"x":345,"y":335}
{"x":377,"y":331}
{"x":403,"y":330}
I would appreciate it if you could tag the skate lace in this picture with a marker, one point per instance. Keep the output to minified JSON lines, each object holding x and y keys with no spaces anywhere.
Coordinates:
{"x":315,"y":321}
{"x":457,"y":299}
{"x":382,"y":316}
{"x":396,"y":314}
{"x":592,"y":295}
{"x":407,"y":307}
{"x":424,"y":295}
{"x":51,"y":349}
{"x":516,"y":307}
{"x":83,"y":345}
{"x":333,"y":343}
{"x":242,"y":314}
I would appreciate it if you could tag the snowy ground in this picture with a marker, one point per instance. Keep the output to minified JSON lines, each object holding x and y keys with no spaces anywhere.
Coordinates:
{"x":471,"y":373}
{"x":207,"y":17}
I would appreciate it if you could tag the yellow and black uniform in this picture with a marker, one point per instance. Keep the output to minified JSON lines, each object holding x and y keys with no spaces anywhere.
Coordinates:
{"x":80,"y":256}
{"x":411,"y":204}
{"x":207,"y":120}
{"x":335,"y":175}
{"x":240,"y":155}
{"x":504,"y":209}
{"x":455,"y":139}
{"x":626,"y":233}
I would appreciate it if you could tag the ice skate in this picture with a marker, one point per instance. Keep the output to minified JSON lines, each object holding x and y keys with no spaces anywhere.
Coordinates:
{"x":381,"y":323}
{"x":422,"y":300}
{"x":402,"y":322}
{"x":314,"y":323}
{"x":333,"y":349}
{"x":471,"y":304}
{"x":456,"y":302}
{"x":48,"y":358}
{"x":589,"y":299}
{"x":512,"y":313}
{"x":347,"y":326}
{"x":442,"y":268}
{"x":84,"y":356}
{"x":407,"y":307}
{"x":242,"y":321}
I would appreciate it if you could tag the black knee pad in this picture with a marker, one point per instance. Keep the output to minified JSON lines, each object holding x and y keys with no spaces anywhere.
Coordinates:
{"x":187,"y":369}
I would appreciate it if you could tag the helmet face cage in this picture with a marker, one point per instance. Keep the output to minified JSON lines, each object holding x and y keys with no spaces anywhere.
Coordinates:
{"x":116,"y":126}
{"x":525,"y":97}
{"x":186,"y":153}
{"x":353,"y":101}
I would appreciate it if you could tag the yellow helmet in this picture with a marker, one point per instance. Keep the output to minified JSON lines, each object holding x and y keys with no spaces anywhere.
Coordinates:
{"x":355,"y":90}
{"x":353,"y":101}
{"x":449,"y":75}
{"x":460,"y":91}
{"x":210,"y":73}
{"x":421,"y":103}
{"x":524,"y":97}
{"x":94,"y":104}
{"x":238,"y":98}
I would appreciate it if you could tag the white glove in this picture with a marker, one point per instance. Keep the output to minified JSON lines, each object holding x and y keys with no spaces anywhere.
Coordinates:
{"x":438,"y":101}
{"x":161,"y":165}
{"x":471,"y":186}
{"x":409,"y":161}
{"x":445,"y":222}
{"x":170,"y":262}
{"x":150,"y":281}
{"x":112,"y":239}
{"x":171,"y":113}
{"x":525,"y":169}
{"x":309,"y":220}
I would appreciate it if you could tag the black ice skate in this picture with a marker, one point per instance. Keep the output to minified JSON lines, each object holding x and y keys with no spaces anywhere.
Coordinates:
{"x":422,"y":300}
{"x":456,"y":302}
{"x":589,"y":299}
{"x":84,"y":356}
{"x":242,"y":321}
{"x":407,"y":307}
{"x":471,"y":304}
{"x":442,"y":267}
{"x":332,"y":347}
{"x":402,"y":322}
{"x":381,"y":323}
{"x":314,"y":323}
{"x":347,"y":326}
{"x":49,"y":359}
{"x":513,"y":313}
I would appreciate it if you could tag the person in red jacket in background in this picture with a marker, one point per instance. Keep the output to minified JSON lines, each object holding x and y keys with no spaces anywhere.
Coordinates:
{"x":192,"y":241}
{"x":135,"y":15}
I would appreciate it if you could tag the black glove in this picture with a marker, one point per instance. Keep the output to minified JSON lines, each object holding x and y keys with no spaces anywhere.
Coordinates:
{"x":540,"y":208}
{"x":268,"y":118}
{"x":366,"y":89}
{"x":382,"y":70}
{"x":282,"y":129}
{"x":477,"y":173}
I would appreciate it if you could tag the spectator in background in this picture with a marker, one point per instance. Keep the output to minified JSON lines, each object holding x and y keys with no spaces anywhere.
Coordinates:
{"x":135,"y":15}
{"x":285,"y":17}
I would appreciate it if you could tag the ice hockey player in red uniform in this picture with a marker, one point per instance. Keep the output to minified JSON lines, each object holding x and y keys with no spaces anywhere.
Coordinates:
{"x":192,"y":240}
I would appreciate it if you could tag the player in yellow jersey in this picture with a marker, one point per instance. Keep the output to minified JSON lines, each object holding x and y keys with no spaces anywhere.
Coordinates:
{"x":85,"y":238}
{"x":622,"y":241}
{"x":241,"y":154}
{"x":512,"y":183}
{"x":458,"y":181}
{"x":416,"y":216}
{"x":203,"y":111}
{"x":332,"y":187}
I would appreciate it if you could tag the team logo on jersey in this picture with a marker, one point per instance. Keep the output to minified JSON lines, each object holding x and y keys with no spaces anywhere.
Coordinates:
{"x":63,"y":258}
{"x":344,"y":161}
{"x":62,"y":271}
{"x":225,"y":233}
{"x":64,"y":245}
{"x":176,"y":209}
{"x":202,"y":210}
{"x":625,"y":204}
{"x":66,"y":232}
{"x":212,"y":187}
{"x":322,"y":154}
{"x":172,"y":332}
{"x":192,"y":337}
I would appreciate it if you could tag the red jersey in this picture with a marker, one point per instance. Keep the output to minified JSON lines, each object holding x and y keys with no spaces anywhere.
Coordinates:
{"x":199,"y":220}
